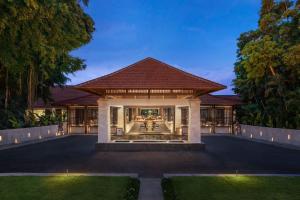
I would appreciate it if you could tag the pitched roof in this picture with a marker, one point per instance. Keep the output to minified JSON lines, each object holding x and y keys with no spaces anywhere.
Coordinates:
{"x":150,"y":73}
{"x":87,"y":100}
{"x":221,"y":100}
{"x":60,"y":94}
{"x":70,"y":96}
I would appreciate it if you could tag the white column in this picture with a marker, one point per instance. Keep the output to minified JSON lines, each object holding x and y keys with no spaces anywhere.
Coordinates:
{"x":103,"y":121}
{"x":177,"y":118}
{"x":194,"y":122}
{"x":121,"y":117}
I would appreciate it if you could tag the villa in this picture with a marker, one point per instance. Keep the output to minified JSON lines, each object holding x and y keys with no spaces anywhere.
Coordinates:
{"x":146,"y":101}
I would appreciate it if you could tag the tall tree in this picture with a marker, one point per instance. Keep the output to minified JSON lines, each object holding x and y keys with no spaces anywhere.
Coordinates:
{"x":36,"y":38}
{"x":267,"y":67}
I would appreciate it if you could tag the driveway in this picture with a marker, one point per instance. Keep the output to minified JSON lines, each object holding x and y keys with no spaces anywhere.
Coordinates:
{"x":223,"y":154}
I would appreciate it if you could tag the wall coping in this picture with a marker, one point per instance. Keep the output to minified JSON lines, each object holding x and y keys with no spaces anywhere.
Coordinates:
{"x":271,"y":127}
{"x":26,"y":128}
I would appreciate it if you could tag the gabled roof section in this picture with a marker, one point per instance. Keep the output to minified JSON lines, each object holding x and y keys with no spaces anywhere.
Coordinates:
{"x":220,"y":100}
{"x":67,"y":96}
{"x":87,"y":100}
{"x":150,"y":73}
{"x":60,"y":94}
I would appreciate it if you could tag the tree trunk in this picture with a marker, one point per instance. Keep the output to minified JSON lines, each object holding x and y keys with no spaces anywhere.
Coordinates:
{"x":30,"y":89}
{"x":20,"y":85}
{"x":6,"y":90}
{"x":272,"y":70}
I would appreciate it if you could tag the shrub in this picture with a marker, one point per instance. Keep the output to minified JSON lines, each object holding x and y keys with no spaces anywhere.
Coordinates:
{"x":132,"y":190}
{"x":168,"y":189}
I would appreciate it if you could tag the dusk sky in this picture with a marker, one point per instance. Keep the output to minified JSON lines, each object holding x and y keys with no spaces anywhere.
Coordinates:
{"x":197,"y":36}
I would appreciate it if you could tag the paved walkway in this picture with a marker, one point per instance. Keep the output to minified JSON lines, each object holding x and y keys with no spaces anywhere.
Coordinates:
{"x":150,"y":189}
{"x":77,"y":154}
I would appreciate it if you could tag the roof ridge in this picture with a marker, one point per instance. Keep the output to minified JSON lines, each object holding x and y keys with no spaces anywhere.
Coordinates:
{"x":113,"y":73}
{"x":150,"y":58}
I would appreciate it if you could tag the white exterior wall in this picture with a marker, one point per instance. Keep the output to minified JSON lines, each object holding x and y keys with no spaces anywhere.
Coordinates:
{"x":177,"y":118}
{"x":194,"y":122}
{"x":77,"y":129}
{"x":222,"y":129}
{"x":21,"y":135}
{"x":276,"y":135}
{"x":121,"y":117}
{"x":103,"y":121}
{"x":194,"y":119}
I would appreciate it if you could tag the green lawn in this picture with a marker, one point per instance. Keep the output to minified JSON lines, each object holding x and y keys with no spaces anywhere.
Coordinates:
{"x":233,"y":188}
{"x":64,"y":188}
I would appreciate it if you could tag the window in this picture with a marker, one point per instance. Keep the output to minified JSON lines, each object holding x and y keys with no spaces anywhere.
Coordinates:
{"x":92,"y":116}
{"x":170,"y":114}
{"x":184,"y":116}
{"x":114,"y":115}
{"x":130,"y":114}
{"x":206,"y":116}
{"x":220,"y":116}
{"x":77,"y":117}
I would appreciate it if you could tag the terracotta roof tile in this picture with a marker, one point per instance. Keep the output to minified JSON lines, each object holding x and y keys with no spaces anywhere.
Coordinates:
{"x":59,"y":94}
{"x":150,"y":73}
{"x":70,"y":96}
{"x":88,"y":100}
{"x":228,"y":100}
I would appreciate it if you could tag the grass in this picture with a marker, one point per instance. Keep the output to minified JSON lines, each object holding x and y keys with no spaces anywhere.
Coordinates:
{"x":67,"y":187}
{"x":232,"y":188}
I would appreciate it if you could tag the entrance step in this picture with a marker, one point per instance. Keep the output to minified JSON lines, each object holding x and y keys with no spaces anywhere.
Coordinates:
{"x":148,"y":146}
{"x":150,"y":189}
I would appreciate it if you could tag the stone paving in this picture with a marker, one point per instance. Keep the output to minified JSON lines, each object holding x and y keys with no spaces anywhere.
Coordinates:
{"x":150,"y":189}
{"x":223,"y":154}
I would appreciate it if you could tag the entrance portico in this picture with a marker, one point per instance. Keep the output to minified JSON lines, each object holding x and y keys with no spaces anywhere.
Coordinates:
{"x":180,"y":126}
{"x":147,"y":102}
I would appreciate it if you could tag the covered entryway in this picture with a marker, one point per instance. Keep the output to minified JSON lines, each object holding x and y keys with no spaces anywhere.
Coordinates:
{"x":152,"y":120}
{"x":151,"y":123}
{"x":149,"y":101}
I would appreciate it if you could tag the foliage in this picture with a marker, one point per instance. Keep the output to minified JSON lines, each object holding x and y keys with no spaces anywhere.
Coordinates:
{"x":36,"y":38}
{"x":132,"y":190}
{"x":168,"y":189}
{"x":32,"y":120}
{"x":268,"y":67}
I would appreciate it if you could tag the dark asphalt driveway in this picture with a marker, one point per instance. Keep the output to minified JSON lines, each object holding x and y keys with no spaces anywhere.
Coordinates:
{"x":222,"y":155}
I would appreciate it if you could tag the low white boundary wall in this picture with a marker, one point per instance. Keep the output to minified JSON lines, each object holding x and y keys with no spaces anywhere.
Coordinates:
{"x":277,"y":135}
{"x":22,"y":135}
